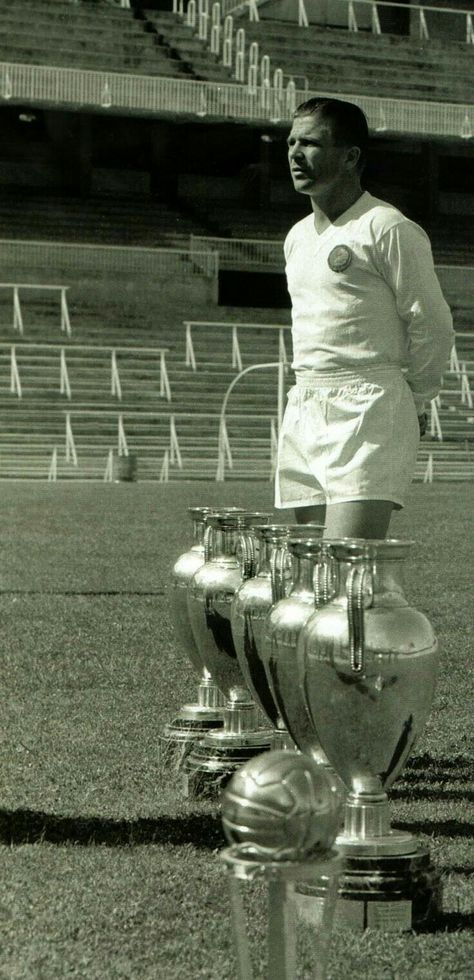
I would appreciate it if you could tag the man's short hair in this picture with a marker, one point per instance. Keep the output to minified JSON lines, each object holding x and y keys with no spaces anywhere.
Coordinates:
{"x":349,"y":123}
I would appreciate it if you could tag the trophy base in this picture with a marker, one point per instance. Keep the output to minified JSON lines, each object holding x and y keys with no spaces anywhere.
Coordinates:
{"x":396,"y":893}
{"x":182,"y":734}
{"x":215,"y":759}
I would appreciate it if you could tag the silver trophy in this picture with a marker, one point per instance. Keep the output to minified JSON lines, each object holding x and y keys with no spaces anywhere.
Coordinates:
{"x":280,"y":814}
{"x":209,"y":598}
{"x":252,"y":603}
{"x":193,"y":720}
{"x":366,"y":668}
{"x":312,"y":585}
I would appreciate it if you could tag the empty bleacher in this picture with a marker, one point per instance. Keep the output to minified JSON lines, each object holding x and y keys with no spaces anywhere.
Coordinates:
{"x":341,"y":61}
{"x":98,"y":37}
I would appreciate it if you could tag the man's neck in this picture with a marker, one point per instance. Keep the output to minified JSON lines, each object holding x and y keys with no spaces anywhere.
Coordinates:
{"x":327,"y":208}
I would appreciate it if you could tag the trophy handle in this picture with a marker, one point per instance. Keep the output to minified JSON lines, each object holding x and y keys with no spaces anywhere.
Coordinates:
{"x":208,"y":542}
{"x":325,"y":577}
{"x":278,"y":563}
{"x":359,"y":588}
{"x":249,"y":556}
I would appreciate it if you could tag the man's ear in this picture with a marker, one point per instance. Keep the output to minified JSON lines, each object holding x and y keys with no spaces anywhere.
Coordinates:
{"x":353,"y":157}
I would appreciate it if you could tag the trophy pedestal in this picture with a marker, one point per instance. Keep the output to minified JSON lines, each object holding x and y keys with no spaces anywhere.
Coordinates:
{"x":191,"y":725}
{"x":394,"y":894}
{"x":219,"y":754}
{"x":387,"y":880}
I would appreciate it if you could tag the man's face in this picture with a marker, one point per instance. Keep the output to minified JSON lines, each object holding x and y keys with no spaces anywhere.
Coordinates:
{"x":316,"y":163}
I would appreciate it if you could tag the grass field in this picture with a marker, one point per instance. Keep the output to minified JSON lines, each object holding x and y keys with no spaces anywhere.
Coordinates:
{"x":105,"y":872}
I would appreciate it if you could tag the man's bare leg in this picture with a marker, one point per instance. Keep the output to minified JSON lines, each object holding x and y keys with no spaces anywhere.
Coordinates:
{"x":358,"y":519}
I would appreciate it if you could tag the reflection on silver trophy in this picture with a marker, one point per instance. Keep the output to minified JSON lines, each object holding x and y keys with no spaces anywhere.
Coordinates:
{"x":250,"y":607}
{"x":367,"y":664}
{"x":209,"y":598}
{"x":193,"y":720}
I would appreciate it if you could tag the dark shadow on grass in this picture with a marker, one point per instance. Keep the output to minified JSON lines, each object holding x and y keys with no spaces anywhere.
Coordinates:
{"x":426,"y":793}
{"x":90,"y":593}
{"x":438,"y":828}
{"x":434,"y":770}
{"x":450,"y":922}
{"x":34,"y":827}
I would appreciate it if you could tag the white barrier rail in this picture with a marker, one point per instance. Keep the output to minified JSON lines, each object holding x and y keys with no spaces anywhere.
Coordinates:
{"x":224,"y":450}
{"x":235,"y":356}
{"x":53,"y":468}
{"x":18,"y":324}
{"x":242,"y":252}
{"x":156,"y":95}
{"x":97,"y":259}
{"x":15,"y":383}
{"x":366,"y":14}
{"x":91,"y":349}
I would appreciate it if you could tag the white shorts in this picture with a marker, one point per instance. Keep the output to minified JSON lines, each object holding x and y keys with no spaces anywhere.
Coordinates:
{"x":347,"y":437}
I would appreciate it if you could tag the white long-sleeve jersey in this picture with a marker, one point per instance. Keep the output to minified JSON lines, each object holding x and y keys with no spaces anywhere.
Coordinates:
{"x":365,"y":293}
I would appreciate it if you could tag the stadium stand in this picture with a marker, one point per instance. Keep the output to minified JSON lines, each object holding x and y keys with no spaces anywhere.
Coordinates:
{"x":70,"y":404}
{"x":337,"y":60}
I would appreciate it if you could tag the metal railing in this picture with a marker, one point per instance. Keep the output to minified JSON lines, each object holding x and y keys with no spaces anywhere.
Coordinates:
{"x":47,"y":85}
{"x":97,"y":259}
{"x":18,"y":324}
{"x":93,"y":350}
{"x":242,"y":252}
{"x":366,"y":14}
{"x":233,"y":328}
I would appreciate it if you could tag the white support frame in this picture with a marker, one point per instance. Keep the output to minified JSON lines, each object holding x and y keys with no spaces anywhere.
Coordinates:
{"x":273,"y":447}
{"x":122,"y":445}
{"x":428,"y":474}
{"x":253,"y":10}
{"x":15,"y":383}
{"x":190,"y":359}
{"x":236,"y":355}
{"x":216,"y":28}
{"x":423,"y":26}
{"x":224,"y":452}
{"x":174,"y":451}
{"x":17,"y":314}
{"x":240,"y":54}
{"x":165,"y":390}
{"x":65,"y":320}
{"x":351,"y":17}
{"x":53,"y":467}
{"x":203,"y":19}
{"x":71,"y":454}
{"x":469,"y":29}
{"x":115,"y":385}
{"x":165,"y":468}
{"x":191,"y":14}
{"x":435,"y":424}
{"x":253,"y":68}
{"x":454,"y":364}
{"x":109,"y":467}
{"x":228,"y":41}
{"x":466,"y":394}
{"x":64,"y":385}
{"x":302,"y":15}
{"x":375,"y":19}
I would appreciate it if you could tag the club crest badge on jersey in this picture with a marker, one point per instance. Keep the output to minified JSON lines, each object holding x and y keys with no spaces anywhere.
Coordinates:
{"x":340,"y":258}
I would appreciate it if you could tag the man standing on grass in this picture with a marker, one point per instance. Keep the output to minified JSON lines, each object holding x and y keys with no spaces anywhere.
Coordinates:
{"x":371,"y":335}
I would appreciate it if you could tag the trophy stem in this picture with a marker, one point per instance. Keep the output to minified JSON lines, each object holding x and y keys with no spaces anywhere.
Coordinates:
{"x":281,"y":932}
{"x":242,"y":947}
{"x":180,"y":736}
{"x":221,"y":752}
{"x":283,"y":910}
